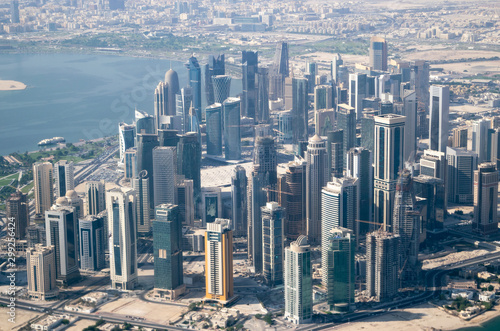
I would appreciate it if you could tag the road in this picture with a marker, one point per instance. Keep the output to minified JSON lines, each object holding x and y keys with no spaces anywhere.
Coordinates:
{"x":94,"y":165}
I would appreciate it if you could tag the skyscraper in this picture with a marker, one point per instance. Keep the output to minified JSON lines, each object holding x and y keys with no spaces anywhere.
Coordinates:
{"x":172,"y":81}
{"x":17,"y":207}
{"x":215,"y":67}
{"x":388,"y":161}
{"x":461,"y":166}
{"x":335,"y":152}
{"x":64,"y":176}
{"x":382,"y":250}
{"x":95,"y":196}
{"x":222,"y":87}
{"x":145,"y":145}
{"x":300,"y":108}
{"x":281,"y":59}
{"x":249,"y":62}
{"x":194,"y":81}
{"x":92,"y":241}
{"x":165,"y":172}
{"x":432,"y":190}
{"x":378,"y":53}
{"x":239,"y":207}
{"x":232,"y":136}
{"x":480,"y":139}
{"x":168,"y":138}
{"x":298,"y":282}
{"x":219,"y":262}
{"x":213,"y":114}
{"x":145,"y":123}
{"x":410,"y":113}
{"x":338,"y":271}
{"x":323,"y":97}
{"x":167,"y":250}
{"x":294,"y":199}
{"x":126,"y":137}
{"x":262,"y":108}
{"x":358,"y":89}
{"x":316,"y":178}
{"x":438,"y":117}
{"x":183,"y":101}
{"x":14,"y":11}
{"x":189,"y":161}
{"x":272,"y":239}
{"x":495,"y":147}
{"x":44,"y":191}
{"x":41,"y":267}
{"x":459,"y":137}
{"x":486,"y":199}
{"x":368,"y":128}
{"x":211,"y":204}
{"x":130,"y":163}
{"x":346,"y":121}
{"x":141,"y":185}
{"x":185,"y":200}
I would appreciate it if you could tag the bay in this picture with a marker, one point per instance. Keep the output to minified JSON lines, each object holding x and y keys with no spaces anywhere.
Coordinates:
{"x":491,"y":325}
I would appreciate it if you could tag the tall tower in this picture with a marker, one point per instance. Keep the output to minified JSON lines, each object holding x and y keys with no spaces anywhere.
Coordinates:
{"x":44,"y":191}
{"x":122,"y":238}
{"x":141,"y":185}
{"x":378,"y":53}
{"x":239,"y":205}
{"x":64,"y":176}
{"x":438,"y":117}
{"x":410,"y":112}
{"x":14,"y":11}
{"x":185,"y":200}
{"x":281,"y":59}
{"x":338,"y":272}
{"x":388,"y":161}
{"x":183,"y":101}
{"x":41,"y":267}
{"x":294,"y":199}
{"x":262,"y":108}
{"x":222,"y":87}
{"x":485,"y":199}
{"x":298,"y":282}
{"x":316,"y":178}
{"x":165,"y":172}
{"x":194,"y":81}
{"x":232,"y":136}
{"x":126,"y":137}
{"x":346,"y":121}
{"x":189,"y":161}
{"x":480,"y":140}
{"x":461,"y":166}
{"x":167,"y":250}
{"x":272,"y":234}
{"x":92,"y":240}
{"x":215,"y":67}
{"x":323,"y":97}
{"x":219,"y":262}
{"x":160,"y":103}
{"x":145,"y":145}
{"x":300,"y":108}
{"x":95,"y":196}
{"x":144,"y":123}
{"x":358,"y":89}
{"x":335,"y":151}
{"x":249,"y":68}
{"x":18,"y":209}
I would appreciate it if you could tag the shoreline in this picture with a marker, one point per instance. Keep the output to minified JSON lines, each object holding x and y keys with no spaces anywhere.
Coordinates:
{"x":11,"y":85}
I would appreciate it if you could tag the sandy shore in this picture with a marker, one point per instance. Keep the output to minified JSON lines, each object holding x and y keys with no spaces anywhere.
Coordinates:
{"x":11,"y":85}
{"x":422,"y":317}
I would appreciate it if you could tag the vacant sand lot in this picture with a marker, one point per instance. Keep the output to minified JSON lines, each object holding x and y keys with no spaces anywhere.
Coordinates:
{"x":22,"y":316}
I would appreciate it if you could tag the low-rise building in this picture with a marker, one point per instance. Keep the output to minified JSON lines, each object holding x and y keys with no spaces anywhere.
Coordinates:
{"x":462,"y":294}
{"x":49,"y":322}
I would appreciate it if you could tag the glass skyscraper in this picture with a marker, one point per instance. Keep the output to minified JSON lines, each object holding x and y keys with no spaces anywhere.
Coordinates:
{"x":232,"y":137}
{"x":213,"y":115}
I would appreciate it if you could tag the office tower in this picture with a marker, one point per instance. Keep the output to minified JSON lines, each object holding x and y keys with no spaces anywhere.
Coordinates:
{"x":495,"y":147}
{"x":285,"y":126}
{"x":294,"y":199}
{"x":378,"y":53}
{"x":272,"y":241}
{"x":459,"y":137}
{"x":288,"y":93}
{"x":145,"y":123}
{"x":461,"y":166}
{"x":239,"y":207}
{"x":172,"y":81}
{"x":168,"y":138}
{"x":249,"y":68}
{"x":281,"y":59}
{"x":211,"y":204}
{"x":14,"y":11}
{"x":194,"y":81}
{"x":167,"y":251}
{"x":431,"y":191}
{"x":335,"y":152}
{"x":298,"y":282}
{"x":406,"y":221}
{"x":64,"y":177}
{"x":486,"y":199}
{"x":336,"y":63}
{"x":35,"y":234}
{"x":95,"y":197}
{"x":262,"y":108}
{"x":219,"y":262}
{"x":189,"y":161}
{"x":368,"y":128}
{"x":382,"y":251}
{"x":419,"y":81}
{"x":120,"y":206}
{"x":438,"y":117}
{"x":92,"y":240}
{"x":130,"y":163}
{"x":480,"y":139}
{"x":433,"y":163}
{"x":165,"y":172}
{"x":222,"y":87}
{"x":17,"y":207}
{"x":324,"y":121}
{"x":185,"y":200}
{"x":73,"y":200}
{"x":61,"y":232}
{"x":41,"y":267}
{"x":264,"y":176}
{"x":388,"y":161}
{"x":215,"y":67}
{"x":323,"y":97}
{"x":359,"y":165}
{"x":145,"y":145}
{"x":346,"y":121}
{"x":310,"y":75}
{"x":213,"y":115}
{"x":44,"y":191}
{"x":232,"y":136}
{"x":339,"y":204}
{"x":422,"y":124}
{"x":338,"y":270}
{"x":300,"y":108}
{"x":410,"y":112}
{"x":126,"y":137}
{"x":357,"y":92}
{"x":141,"y":185}
{"x":316,"y":178}
{"x":183,"y":101}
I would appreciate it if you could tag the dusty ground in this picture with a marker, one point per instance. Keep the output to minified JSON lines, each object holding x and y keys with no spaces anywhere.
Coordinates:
{"x":80,"y":325}
{"x":473,"y":68}
{"x":22,"y":316}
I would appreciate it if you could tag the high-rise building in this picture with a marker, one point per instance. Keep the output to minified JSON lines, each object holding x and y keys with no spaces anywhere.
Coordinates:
{"x":358,"y":89}
{"x":410,"y":113}
{"x":335,"y":152}
{"x":382,"y":251}
{"x":338,"y":209}
{"x":346,"y":121}
{"x":495,"y":147}
{"x":300,"y":108}
{"x":323,"y":97}
{"x":126,"y":137}
{"x":298,"y":282}
{"x":145,"y":145}
{"x":14,"y":11}
{"x":461,"y":166}
{"x":232,"y":136}
{"x":213,"y":115}
{"x":92,"y":240}
{"x":222,"y":87}
{"x":17,"y":207}
{"x":64,"y":177}
{"x":189,"y":161}
{"x":130,"y":163}
{"x":95,"y":196}
{"x":194,"y":81}
{"x":316,"y":179}
{"x":43,"y":187}
{"x":324,"y":121}
{"x":438,"y":117}
{"x":219,"y":262}
{"x":459,"y":136}
{"x":61,"y":232}
{"x":120,"y":206}
{"x":211,"y":204}
{"x":281,"y":59}
{"x":419,"y":81}
{"x":431,"y":190}
{"x":378,"y":53}
{"x":183,"y":101}
{"x":167,"y":251}
{"x":141,"y":184}
{"x":41,"y":267}
{"x":486,"y":199}
{"x":215,"y":67}
{"x":388,"y":161}
{"x":239,"y":207}
{"x":249,"y":68}
{"x":368,"y":128}
{"x":185,"y":200}
{"x":480,"y":139}
{"x":293,"y":199}
{"x":145,"y":123}
{"x":262,"y":108}
{"x":338,"y":270}
{"x":272,"y":234}
{"x":165,"y":172}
